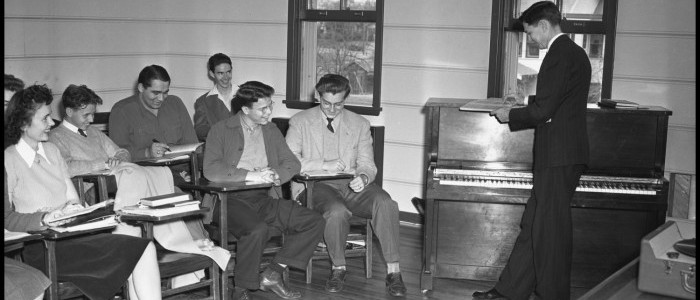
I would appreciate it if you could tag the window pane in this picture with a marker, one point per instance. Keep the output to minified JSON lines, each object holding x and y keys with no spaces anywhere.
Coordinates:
{"x":343,"y":48}
{"x":583,"y":10}
{"x":337,"y":4}
{"x":522,"y":5}
{"x":528,"y":67}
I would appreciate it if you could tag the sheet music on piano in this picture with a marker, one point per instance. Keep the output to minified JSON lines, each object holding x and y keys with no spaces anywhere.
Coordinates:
{"x":483,"y":105}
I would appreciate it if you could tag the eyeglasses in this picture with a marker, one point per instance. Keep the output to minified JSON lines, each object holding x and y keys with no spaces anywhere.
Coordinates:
{"x":337,"y":105}
{"x":269,"y":107}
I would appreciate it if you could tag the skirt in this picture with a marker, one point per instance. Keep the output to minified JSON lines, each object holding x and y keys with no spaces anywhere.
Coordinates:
{"x":23,"y":282}
{"x":98,"y":264}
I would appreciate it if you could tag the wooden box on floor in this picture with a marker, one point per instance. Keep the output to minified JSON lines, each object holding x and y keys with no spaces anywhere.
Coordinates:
{"x":661,"y":274}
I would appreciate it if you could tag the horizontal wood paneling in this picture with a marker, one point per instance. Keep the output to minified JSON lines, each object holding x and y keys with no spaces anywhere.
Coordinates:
{"x":663,"y":58}
{"x":424,"y":47}
{"x":438,"y":12}
{"x":407,"y":124}
{"x":657,"y":16}
{"x":154,"y":9}
{"x":119,"y":38}
{"x":416,"y":85}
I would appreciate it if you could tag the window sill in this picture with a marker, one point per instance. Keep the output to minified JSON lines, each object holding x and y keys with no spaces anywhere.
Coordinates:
{"x":362,"y":110}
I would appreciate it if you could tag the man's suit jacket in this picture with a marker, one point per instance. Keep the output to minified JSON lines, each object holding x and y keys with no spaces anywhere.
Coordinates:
{"x":562,"y":93}
{"x":224,"y":148}
{"x":305,"y":139}
{"x":208,"y":110}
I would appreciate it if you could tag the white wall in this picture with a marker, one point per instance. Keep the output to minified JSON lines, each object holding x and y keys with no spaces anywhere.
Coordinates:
{"x":432,"y":48}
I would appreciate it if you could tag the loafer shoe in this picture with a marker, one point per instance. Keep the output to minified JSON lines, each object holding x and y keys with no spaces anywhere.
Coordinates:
{"x":336,"y":281}
{"x":394,"y":285}
{"x":273,"y":281}
{"x":490,"y":294}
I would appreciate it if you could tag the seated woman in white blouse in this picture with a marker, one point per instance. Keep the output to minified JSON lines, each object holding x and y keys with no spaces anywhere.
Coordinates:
{"x":38,"y":186}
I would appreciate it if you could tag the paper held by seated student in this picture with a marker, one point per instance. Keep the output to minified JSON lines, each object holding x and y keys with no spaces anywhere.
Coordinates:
{"x":322,"y":173}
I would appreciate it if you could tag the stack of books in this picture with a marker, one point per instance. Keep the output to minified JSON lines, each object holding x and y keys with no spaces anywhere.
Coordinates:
{"x":614,"y":103}
{"x":163,"y":205}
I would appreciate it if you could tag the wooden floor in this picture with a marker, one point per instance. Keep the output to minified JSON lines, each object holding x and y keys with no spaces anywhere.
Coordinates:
{"x":359,"y":287}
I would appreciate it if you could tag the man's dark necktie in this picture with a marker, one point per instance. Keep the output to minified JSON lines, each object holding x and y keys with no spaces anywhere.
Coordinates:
{"x":82,"y":132}
{"x":329,"y":126}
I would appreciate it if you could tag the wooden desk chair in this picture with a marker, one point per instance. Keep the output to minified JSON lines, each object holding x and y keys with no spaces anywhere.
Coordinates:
{"x":172,"y":264}
{"x":363,"y":224}
{"x":102,"y":184}
{"x":60,"y":289}
{"x":356,"y":222}
{"x":226,"y":241}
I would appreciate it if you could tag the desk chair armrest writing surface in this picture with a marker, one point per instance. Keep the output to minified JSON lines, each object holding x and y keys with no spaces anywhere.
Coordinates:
{"x":172,"y":264}
{"x":221,"y":190}
{"x":309,"y":182}
{"x":62,"y":290}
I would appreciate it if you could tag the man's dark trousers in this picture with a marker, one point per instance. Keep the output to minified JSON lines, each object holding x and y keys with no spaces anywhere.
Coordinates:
{"x":541,"y":257}
{"x":253,"y":216}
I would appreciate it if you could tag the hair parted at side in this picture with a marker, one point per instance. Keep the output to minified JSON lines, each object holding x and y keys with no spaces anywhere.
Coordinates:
{"x":79,"y":96}
{"x":22,"y":108}
{"x":152,"y":72}
{"x":543,"y":10}
{"x":333,"y":83}
{"x":218,"y":59}
{"x":13,"y":83}
{"x":249,"y":92}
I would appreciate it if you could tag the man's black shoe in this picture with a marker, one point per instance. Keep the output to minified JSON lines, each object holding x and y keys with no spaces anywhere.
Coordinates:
{"x":395,"y":285}
{"x":490,"y":294}
{"x":239,"y":294}
{"x":335,"y":282}
{"x":273,"y":281}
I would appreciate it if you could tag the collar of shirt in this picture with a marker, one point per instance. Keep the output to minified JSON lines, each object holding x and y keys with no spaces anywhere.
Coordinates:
{"x":244,"y":124}
{"x":552,"y":40}
{"x":70,"y":126}
{"x":215,"y":91}
{"x":336,"y":121}
{"x":28,"y":154}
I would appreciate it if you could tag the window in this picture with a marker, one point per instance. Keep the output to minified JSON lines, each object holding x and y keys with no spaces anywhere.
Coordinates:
{"x":335,"y":36}
{"x":515,"y":60}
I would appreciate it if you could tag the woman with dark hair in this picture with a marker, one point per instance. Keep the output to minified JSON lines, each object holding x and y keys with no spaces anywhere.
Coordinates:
{"x":39,"y":188}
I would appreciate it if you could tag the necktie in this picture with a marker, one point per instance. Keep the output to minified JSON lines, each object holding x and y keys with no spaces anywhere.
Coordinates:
{"x":82,"y":132}
{"x":329,"y":126}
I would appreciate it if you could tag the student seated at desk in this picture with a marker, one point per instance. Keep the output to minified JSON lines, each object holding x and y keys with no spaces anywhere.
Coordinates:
{"x":247,"y":146}
{"x":86,"y":149}
{"x":37,"y":186}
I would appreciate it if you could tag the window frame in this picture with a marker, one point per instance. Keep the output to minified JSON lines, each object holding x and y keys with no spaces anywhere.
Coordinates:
{"x":502,"y":20}
{"x":298,"y":13}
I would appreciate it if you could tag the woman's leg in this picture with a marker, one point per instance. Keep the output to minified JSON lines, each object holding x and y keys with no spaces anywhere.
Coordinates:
{"x":144,"y":282}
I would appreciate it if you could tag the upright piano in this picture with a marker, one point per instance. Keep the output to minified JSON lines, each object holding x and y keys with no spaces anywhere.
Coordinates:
{"x":479,"y":177}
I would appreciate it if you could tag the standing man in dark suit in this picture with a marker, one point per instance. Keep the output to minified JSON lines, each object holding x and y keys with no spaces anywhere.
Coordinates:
{"x":541,"y":257}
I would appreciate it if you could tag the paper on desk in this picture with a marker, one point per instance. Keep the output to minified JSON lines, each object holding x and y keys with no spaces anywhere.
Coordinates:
{"x":79,"y":212}
{"x":14,"y":235}
{"x":106,"y":222}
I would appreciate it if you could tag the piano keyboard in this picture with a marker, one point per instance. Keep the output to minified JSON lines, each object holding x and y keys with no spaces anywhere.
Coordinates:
{"x":523,"y":180}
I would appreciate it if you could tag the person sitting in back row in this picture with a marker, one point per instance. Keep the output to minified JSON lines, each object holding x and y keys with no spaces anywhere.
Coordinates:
{"x":214,"y":105}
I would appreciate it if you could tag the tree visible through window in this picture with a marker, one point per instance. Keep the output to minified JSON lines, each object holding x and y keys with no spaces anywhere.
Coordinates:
{"x":516,"y":60}
{"x":335,"y":36}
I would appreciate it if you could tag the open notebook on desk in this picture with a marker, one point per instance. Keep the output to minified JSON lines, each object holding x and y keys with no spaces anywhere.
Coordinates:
{"x":176,"y":153}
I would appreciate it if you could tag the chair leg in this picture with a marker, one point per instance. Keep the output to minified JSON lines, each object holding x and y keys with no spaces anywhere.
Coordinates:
{"x":215,"y":288}
{"x":309,"y":268}
{"x":368,"y":249}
